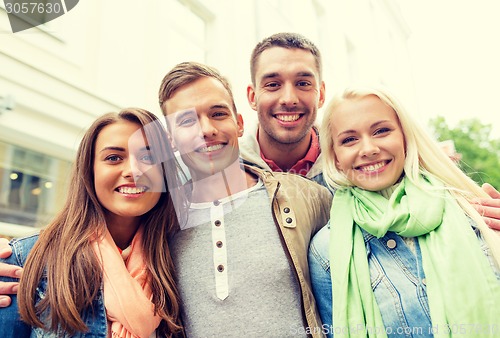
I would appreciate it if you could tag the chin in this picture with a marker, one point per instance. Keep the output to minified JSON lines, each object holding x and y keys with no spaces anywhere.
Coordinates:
{"x":373,"y":186}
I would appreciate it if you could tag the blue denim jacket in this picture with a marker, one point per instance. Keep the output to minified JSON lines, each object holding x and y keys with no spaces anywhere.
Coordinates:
{"x":397,"y":279}
{"x":11,"y":325}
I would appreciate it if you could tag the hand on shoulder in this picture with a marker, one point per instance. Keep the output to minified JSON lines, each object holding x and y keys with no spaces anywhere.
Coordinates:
{"x":6,"y":270}
{"x":489,"y":208}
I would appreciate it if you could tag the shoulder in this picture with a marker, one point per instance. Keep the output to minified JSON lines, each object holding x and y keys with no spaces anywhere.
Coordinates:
{"x":293,"y":185}
{"x":300,"y":182}
{"x":21,"y":247}
{"x":249,"y":138}
{"x":249,"y":147}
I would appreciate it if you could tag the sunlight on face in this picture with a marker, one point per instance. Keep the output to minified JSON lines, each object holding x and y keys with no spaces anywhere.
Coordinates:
{"x":203,"y":126}
{"x":287,"y":94}
{"x":127,"y":178}
{"x":368,"y":142}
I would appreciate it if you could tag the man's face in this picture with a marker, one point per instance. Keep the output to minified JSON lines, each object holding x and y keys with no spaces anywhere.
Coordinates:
{"x":287,"y":94}
{"x":203,"y":126}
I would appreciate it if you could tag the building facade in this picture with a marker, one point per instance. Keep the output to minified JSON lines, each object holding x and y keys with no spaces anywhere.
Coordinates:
{"x":55,"y":79}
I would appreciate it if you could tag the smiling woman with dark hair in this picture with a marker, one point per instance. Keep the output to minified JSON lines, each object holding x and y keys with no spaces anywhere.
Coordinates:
{"x":102,"y":267}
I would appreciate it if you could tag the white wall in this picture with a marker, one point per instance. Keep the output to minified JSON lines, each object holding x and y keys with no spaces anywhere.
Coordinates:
{"x":103,"y":55}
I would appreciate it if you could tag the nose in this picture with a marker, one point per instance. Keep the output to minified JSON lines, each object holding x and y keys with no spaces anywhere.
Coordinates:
{"x":288,"y":95}
{"x":207,"y":127}
{"x":132,"y":168}
{"x":368,"y":148}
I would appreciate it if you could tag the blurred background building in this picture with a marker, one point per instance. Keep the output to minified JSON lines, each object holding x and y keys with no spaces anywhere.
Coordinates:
{"x":101,"y":56}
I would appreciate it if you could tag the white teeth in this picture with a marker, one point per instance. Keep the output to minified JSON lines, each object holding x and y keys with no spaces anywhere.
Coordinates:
{"x":209,"y":148}
{"x":372,"y":167}
{"x":288,"y":118}
{"x":131,"y":190}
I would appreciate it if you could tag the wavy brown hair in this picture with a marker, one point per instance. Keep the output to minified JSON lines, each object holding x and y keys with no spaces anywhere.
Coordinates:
{"x":63,"y":256}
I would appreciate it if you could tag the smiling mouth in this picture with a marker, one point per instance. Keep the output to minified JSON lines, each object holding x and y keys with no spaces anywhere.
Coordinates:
{"x":372,"y":167}
{"x":131,"y":190}
{"x":288,"y":118}
{"x":210,"y":148}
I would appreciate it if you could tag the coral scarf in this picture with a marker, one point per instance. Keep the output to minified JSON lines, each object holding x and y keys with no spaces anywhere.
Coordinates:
{"x":462,"y":289}
{"x":127,"y":292}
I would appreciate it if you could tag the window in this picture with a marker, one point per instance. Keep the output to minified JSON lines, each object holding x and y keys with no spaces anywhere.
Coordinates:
{"x":32,"y":185}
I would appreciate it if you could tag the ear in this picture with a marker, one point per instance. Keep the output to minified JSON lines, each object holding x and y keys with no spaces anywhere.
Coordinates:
{"x":172,"y":142}
{"x":321,"y":94}
{"x":239,"y":122}
{"x":251,"y":97}
{"x":337,"y":165}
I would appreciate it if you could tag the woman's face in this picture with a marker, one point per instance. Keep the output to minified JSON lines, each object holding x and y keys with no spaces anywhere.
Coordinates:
{"x":127,"y":179}
{"x":368,"y":142}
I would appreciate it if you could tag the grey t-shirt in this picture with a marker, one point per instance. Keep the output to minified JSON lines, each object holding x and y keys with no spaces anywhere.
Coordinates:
{"x":233,"y":274}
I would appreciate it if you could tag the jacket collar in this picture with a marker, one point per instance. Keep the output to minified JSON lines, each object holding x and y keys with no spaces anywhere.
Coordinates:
{"x":250,"y":151}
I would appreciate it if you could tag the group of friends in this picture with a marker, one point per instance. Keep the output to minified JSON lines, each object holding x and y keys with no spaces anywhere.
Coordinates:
{"x":360,"y":226}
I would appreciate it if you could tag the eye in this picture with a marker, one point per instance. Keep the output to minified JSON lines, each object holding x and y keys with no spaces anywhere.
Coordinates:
{"x":272,"y":85}
{"x":347,"y":140}
{"x":382,"y":131}
{"x":304,"y":84}
{"x":112,"y":158}
{"x":148,"y":158}
{"x":220,"y":114}
{"x":186,"y":122}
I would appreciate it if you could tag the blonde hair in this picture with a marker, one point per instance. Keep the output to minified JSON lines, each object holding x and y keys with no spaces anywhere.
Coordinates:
{"x":423,"y":156}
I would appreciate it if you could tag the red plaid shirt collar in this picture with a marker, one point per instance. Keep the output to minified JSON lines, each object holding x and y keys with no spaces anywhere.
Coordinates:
{"x":302,"y":166}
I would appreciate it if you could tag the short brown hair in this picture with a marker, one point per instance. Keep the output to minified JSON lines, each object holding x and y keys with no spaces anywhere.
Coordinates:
{"x":284,"y":40}
{"x":185,"y":73}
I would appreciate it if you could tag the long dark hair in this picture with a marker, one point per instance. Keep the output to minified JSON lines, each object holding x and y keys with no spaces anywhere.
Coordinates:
{"x":63,"y":253}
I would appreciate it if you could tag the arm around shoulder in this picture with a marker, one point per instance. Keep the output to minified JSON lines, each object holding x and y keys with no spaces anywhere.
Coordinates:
{"x":10,"y":270}
{"x":489,"y":208}
{"x":14,"y":255}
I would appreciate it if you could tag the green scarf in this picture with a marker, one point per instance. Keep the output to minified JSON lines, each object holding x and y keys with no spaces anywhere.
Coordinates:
{"x":462,"y":289}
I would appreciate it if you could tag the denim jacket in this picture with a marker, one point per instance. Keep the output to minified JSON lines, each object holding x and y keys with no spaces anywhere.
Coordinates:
{"x":11,"y":325}
{"x":396,"y":276}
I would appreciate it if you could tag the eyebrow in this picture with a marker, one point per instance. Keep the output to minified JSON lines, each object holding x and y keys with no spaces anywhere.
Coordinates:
{"x":269,"y":76}
{"x":112,"y":148}
{"x":353,"y":131}
{"x":305,"y":74}
{"x":275,"y":74}
{"x":122,"y":149}
{"x":219,"y":106}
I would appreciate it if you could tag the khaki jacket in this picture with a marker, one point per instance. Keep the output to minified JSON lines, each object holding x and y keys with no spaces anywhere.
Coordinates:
{"x":300,"y":208}
{"x":250,"y":152}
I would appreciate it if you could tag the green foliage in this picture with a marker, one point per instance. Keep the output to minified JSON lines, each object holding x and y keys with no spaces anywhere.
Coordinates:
{"x":480,"y":153}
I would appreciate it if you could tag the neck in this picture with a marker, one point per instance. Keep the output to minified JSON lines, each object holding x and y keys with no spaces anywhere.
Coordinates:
{"x":285,"y":155}
{"x":122,"y":229}
{"x":387,"y":192}
{"x":233,"y":179}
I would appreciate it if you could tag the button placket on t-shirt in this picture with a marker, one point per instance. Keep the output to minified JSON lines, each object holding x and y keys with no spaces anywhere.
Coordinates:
{"x":219,"y":250}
